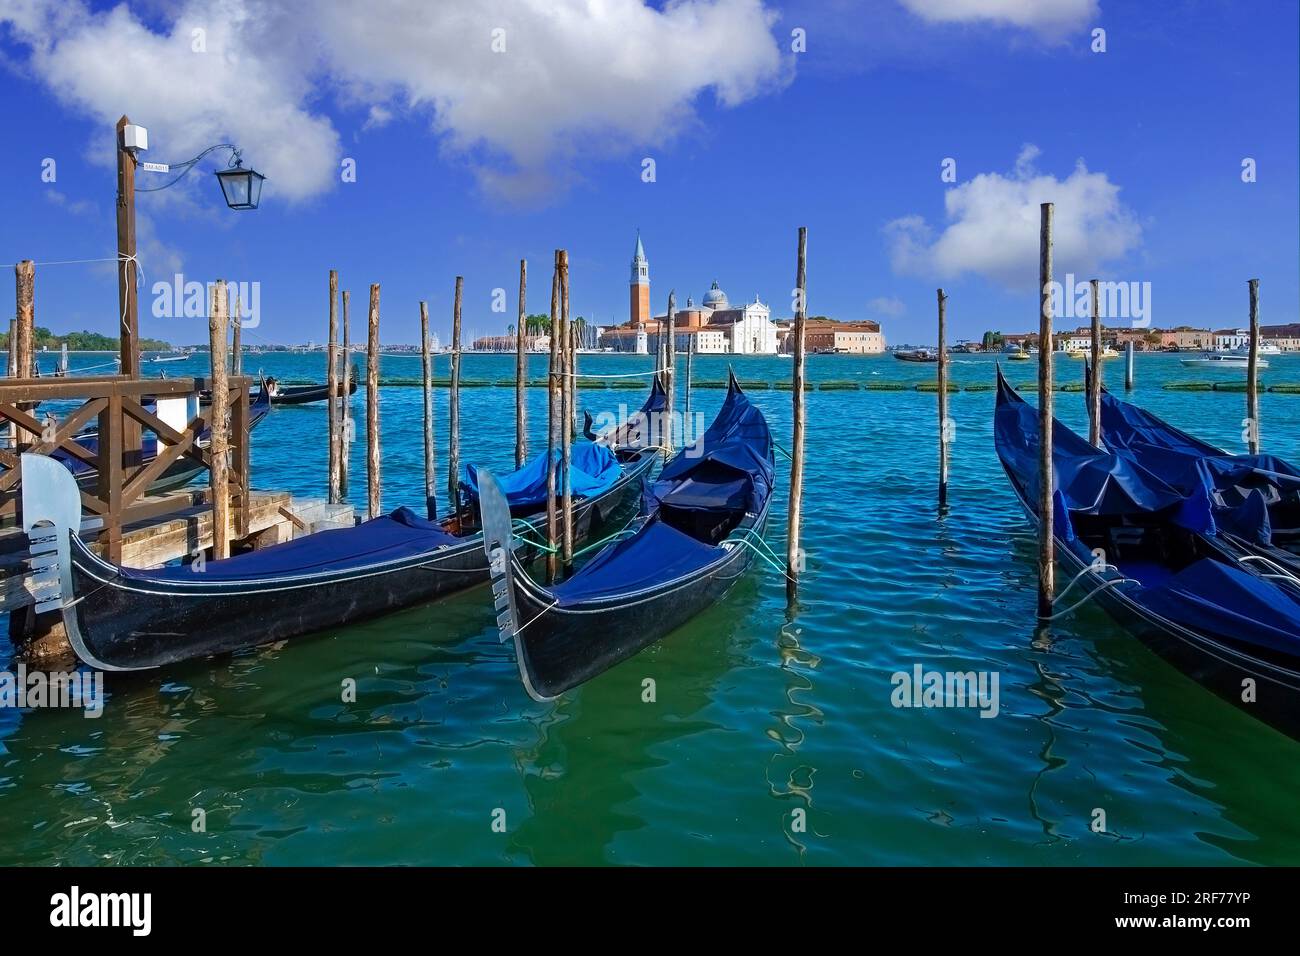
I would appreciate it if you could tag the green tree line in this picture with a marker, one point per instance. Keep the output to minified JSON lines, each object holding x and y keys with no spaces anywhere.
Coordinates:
{"x":84,"y":341}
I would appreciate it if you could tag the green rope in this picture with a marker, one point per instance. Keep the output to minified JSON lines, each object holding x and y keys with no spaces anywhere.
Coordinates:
{"x":788,"y":456}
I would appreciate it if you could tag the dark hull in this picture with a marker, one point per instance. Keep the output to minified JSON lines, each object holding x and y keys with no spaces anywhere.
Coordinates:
{"x":1209,"y":661}
{"x":132,"y":622}
{"x":306,"y":394}
{"x":560,"y":648}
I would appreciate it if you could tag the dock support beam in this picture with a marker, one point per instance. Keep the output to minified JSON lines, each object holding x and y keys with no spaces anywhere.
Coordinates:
{"x":1046,"y":354}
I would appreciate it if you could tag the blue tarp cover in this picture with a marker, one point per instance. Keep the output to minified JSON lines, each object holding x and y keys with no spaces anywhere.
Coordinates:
{"x":1087,"y":479}
{"x":398,"y":535}
{"x":594,"y":468}
{"x":1212,"y":597}
{"x":736,"y":448}
{"x":1186,"y":463}
{"x":730,"y":470}
{"x":655,"y":554}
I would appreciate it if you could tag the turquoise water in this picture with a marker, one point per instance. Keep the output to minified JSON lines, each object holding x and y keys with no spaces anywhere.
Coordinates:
{"x":758,"y":712}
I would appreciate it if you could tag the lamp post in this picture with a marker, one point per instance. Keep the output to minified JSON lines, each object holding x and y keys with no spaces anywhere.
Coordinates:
{"x":241,"y":187}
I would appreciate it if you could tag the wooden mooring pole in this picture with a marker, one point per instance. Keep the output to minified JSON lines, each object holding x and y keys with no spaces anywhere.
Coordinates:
{"x":552,"y":426}
{"x":332,"y":389}
{"x":346,"y":429}
{"x":687,"y":427}
{"x":426,"y":380}
{"x":793,"y":553}
{"x":1046,"y":529}
{"x":1094,"y":377}
{"x":1252,"y":372}
{"x":670,"y":359}
{"x":566,"y":420}
{"x":236,"y":338}
{"x":219,"y":446}
{"x":1128,"y":366}
{"x":521,"y":372}
{"x":943,"y":398}
{"x":453,"y":405}
{"x":25,"y":282}
{"x":374,"y":489}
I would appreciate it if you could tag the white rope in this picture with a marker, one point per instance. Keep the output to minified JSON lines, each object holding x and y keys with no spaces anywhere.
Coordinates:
{"x":1090,"y":595}
{"x":1282,"y":572}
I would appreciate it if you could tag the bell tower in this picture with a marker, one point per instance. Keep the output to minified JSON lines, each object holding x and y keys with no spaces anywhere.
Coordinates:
{"x":640,"y":286}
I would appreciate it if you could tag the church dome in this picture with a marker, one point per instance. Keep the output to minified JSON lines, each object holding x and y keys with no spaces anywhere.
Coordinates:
{"x":715,"y":298}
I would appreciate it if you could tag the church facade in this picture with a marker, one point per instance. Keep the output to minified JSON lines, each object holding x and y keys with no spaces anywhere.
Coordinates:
{"x":714,"y":326}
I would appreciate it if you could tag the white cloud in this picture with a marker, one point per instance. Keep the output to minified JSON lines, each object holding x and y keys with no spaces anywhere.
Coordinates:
{"x":106,"y":64}
{"x":993,"y":223}
{"x":891,"y":306}
{"x":1052,"y":17}
{"x":576,"y":77}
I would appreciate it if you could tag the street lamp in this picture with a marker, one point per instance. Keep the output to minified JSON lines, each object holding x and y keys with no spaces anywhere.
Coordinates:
{"x":241,"y":187}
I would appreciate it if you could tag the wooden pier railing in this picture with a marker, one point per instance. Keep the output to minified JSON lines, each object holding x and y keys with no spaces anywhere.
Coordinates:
{"x":115,"y":483}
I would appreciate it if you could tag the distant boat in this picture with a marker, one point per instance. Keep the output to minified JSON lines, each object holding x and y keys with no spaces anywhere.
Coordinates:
{"x":917,"y":355}
{"x":158,"y":359}
{"x":1018,"y":356}
{"x":1263,"y":350}
{"x":1106,"y":353}
{"x":1223,"y":361}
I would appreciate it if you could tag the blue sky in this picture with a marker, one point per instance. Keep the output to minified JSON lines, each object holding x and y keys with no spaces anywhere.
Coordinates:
{"x":468,"y":159}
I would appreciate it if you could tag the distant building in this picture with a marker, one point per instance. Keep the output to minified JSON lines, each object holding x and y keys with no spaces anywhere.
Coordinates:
{"x":713,"y":326}
{"x":1285,"y":337}
{"x":1227,"y":339}
{"x":827,"y":335}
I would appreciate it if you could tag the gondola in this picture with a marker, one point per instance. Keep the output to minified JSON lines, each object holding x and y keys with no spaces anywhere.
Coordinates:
{"x":695,"y":536}
{"x":1255,"y":498}
{"x":306,"y":394}
{"x":1149,"y":555}
{"x":120,"y":618}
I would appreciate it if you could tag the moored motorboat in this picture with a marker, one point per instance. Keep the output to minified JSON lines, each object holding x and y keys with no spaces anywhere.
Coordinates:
{"x":695,"y":536}
{"x":1223,"y":361}
{"x":916,"y":355}
{"x":1150,"y":556}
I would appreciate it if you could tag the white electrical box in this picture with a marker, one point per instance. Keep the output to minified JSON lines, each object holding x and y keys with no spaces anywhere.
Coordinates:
{"x":135,"y":137}
{"x":174,"y":410}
